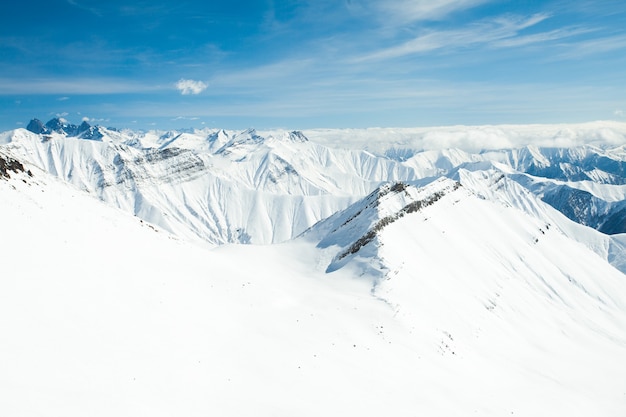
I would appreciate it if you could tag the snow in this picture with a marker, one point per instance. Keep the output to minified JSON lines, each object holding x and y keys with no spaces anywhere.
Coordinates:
{"x":488,"y":282}
{"x":108,"y":315}
{"x":485,"y":301}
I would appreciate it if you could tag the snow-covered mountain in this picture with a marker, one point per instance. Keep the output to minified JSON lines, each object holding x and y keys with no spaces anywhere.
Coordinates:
{"x":63,"y":127}
{"x":457,"y":295}
{"x":266,"y":187}
{"x":236,"y":187}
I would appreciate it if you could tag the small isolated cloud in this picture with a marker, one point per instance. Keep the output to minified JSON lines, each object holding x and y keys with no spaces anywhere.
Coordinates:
{"x":619,"y":113}
{"x":63,"y":98}
{"x":93,"y":120}
{"x":190,"y":86}
{"x":62,"y":114}
{"x":185,"y":118}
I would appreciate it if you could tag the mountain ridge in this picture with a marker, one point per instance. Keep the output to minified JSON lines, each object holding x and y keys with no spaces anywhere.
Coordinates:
{"x":125,"y":168}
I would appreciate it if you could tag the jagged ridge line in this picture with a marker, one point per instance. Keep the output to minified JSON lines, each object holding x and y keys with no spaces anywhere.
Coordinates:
{"x":385,"y":221}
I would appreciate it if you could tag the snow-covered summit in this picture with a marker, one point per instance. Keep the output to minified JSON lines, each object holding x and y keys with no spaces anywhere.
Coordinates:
{"x":63,"y":127}
{"x":353,"y":232}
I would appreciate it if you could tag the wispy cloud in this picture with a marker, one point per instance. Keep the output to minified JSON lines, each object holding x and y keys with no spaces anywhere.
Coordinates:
{"x":594,"y":46}
{"x":397,"y":14}
{"x":77,"y":86}
{"x":85,"y":7}
{"x":494,"y":32}
{"x":270,"y":75}
{"x":541,"y":37}
{"x":138,"y":8}
{"x":187,"y":87}
{"x":416,"y":10}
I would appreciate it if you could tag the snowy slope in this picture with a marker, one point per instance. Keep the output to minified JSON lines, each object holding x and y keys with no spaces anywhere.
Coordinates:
{"x":486,"y":281}
{"x":469,"y":306}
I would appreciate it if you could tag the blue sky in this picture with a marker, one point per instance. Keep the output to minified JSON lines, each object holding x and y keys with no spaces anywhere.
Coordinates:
{"x":310,"y":64}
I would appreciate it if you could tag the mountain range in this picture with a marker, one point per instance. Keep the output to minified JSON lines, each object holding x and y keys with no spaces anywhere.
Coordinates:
{"x":291,"y":273}
{"x":222,"y":187}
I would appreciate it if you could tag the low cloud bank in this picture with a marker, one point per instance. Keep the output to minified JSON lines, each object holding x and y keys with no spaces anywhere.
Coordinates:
{"x":474,"y":138}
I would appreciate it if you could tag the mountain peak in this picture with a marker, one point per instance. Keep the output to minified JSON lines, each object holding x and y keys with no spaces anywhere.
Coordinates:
{"x":64,"y":127}
{"x":36,"y":126}
{"x":59,"y":125}
{"x":86,"y":131}
{"x":297,"y":136}
{"x":355,"y":228}
{"x":246,"y":137}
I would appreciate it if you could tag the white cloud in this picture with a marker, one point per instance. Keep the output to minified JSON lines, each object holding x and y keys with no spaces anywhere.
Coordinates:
{"x":93,"y":10}
{"x":619,"y":113}
{"x":403,"y":11}
{"x":93,"y":120}
{"x":541,"y":37}
{"x":595,"y":46}
{"x":190,"y":86}
{"x":473,"y":138}
{"x":63,"y":98}
{"x":491,"y":32}
{"x":74,"y":86}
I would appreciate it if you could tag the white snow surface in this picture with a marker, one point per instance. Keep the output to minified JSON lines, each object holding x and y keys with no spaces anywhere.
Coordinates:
{"x":484,"y":301}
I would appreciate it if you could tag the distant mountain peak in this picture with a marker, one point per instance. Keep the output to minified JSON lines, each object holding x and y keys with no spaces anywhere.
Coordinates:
{"x":297,"y":136}
{"x":36,"y":126}
{"x":243,"y":138}
{"x":248,"y":135}
{"x":64,"y":127}
{"x":60,"y":125}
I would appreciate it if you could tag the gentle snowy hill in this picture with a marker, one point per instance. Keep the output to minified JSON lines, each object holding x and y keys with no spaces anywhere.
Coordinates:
{"x":458,"y":305}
